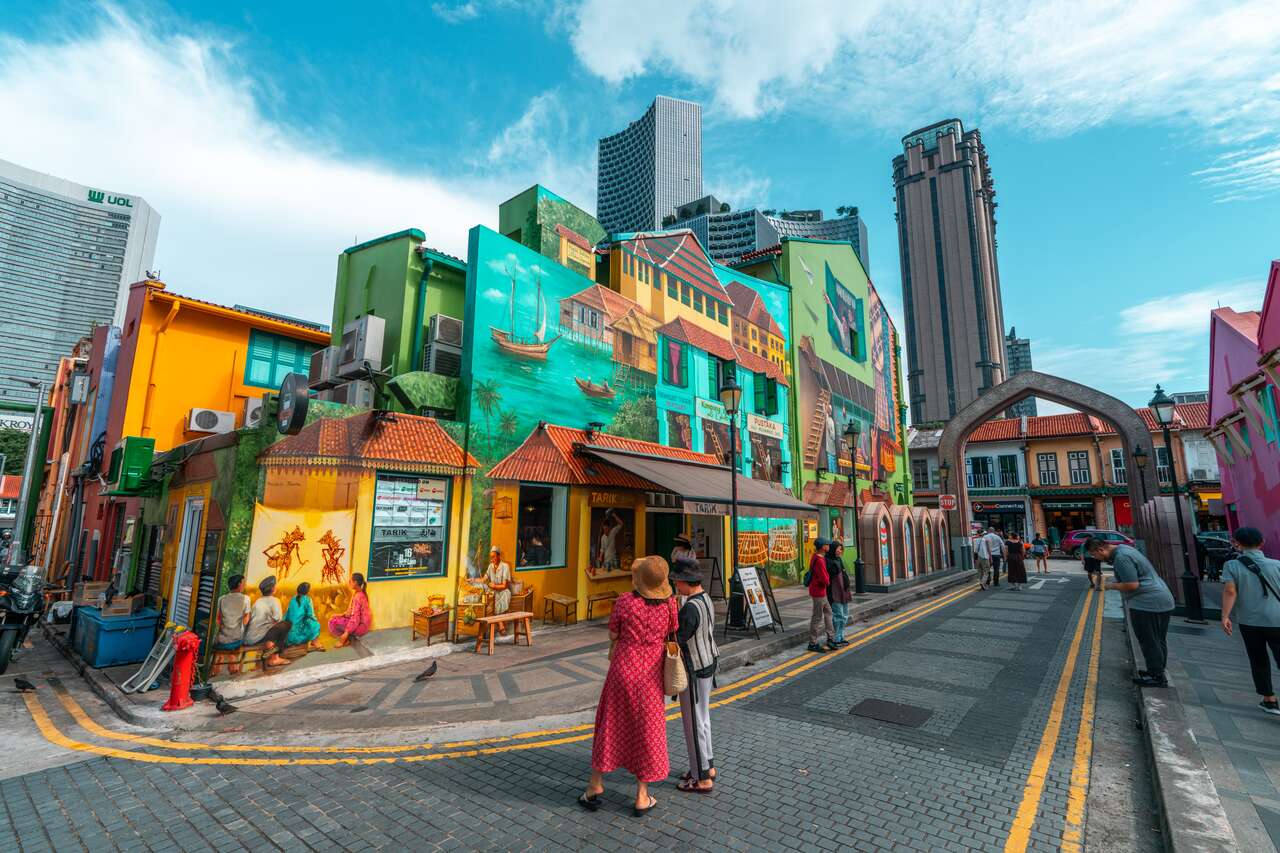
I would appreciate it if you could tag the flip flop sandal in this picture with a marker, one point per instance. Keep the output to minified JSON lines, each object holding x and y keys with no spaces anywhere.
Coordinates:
{"x":692,"y":787}
{"x":589,"y":803}
{"x":636,"y":811}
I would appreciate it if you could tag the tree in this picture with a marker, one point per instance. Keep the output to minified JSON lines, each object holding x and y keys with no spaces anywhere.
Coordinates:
{"x":487,"y":398}
{"x":637,"y":418}
{"x":669,"y":219}
{"x":13,"y":446}
{"x":724,"y":207}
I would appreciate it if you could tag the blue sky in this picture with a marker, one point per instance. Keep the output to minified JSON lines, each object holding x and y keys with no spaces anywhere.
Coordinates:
{"x":1132,"y":143}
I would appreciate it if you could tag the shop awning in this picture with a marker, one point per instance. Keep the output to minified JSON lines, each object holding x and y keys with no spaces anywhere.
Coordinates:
{"x":1206,"y":497}
{"x":705,"y":489}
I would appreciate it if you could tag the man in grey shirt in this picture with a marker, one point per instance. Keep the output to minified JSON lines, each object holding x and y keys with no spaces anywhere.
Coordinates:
{"x":1150,"y":604}
{"x":1251,"y":593}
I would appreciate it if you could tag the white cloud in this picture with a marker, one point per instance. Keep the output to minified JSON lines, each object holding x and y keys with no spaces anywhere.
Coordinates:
{"x":741,"y":188}
{"x":1188,"y":313}
{"x":456,"y":14}
{"x":252,"y":211}
{"x":1051,"y":67}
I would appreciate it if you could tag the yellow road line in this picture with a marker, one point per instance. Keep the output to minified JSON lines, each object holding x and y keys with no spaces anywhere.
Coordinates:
{"x":55,"y":736}
{"x":1073,"y":835}
{"x":1020,"y":832}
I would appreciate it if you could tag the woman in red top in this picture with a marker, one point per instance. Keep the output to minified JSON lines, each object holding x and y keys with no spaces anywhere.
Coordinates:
{"x":357,"y":621}
{"x":819,"y":581}
{"x":631,"y":724}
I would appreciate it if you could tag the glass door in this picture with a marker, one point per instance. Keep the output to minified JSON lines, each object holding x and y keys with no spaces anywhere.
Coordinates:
{"x":185,"y":569}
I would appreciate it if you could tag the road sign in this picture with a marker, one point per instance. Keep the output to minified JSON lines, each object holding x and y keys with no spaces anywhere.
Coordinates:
{"x":947,"y":502}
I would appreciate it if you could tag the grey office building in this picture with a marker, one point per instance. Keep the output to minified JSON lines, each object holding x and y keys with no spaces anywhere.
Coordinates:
{"x":646,"y":171}
{"x":729,"y":234}
{"x":950,"y":280}
{"x":1017,"y":353}
{"x":68,"y":254}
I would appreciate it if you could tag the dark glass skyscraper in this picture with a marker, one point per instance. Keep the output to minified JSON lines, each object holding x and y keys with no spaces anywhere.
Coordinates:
{"x":1017,"y":353}
{"x":651,"y":168}
{"x":950,"y":279}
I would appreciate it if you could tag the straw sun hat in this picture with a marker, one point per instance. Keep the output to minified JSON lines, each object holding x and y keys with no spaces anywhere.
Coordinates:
{"x":649,"y":577}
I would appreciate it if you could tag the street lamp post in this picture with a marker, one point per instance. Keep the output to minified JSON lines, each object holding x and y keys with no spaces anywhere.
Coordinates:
{"x":1163,"y":407}
{"x":851,"y":433}
{"x":944,"y":468}
{"x":16,"y":545}
{"x":1140,"y":460}
{"x":731,"y":399}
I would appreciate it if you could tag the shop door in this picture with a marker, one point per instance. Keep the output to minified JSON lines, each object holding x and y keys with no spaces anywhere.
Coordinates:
{"x":707,"y":533}
{"x":662,"y":530}
{"x":185,"y":569}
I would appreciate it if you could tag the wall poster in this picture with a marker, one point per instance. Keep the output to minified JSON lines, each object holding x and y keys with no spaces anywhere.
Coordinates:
{"x":410,"y":515}
{"x":613,"y":545}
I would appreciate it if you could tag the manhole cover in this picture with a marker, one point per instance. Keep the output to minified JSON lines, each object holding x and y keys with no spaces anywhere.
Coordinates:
{"x":1186,"y":629}
{"x":892,"y":712}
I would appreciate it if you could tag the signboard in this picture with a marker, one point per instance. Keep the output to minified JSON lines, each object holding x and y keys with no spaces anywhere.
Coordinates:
{"x":1067,"y":504}
{"x":998,"y":506}
{"x":711,"y":411}
{"x":673,"y":402}
{"x":757,"y":604}
{"x":764,"y":426}
{"x":947,"y":502}
{"x":705,"y":508}
{"x":410,"y":515}
{"x":291,"y":416}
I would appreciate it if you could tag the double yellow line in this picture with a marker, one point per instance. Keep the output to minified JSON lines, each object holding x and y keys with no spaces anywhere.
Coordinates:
{"x":742,"y":689}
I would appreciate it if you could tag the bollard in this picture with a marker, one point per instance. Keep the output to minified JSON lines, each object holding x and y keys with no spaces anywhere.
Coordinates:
{"x":185,"y":646}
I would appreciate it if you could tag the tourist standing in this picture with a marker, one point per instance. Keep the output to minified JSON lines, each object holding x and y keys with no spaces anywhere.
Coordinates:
{"x":1017,"y":566}
{"x":819,"y":581}
{"x":839,"y":592}
{"x":982,"y":558}
{"x":696,"y":635}
{"x":1040,"y":550}
{"x":631,"y":726}
{"x":1150,"y":604}
{"x":995,"y":544}
{"x":1251,"y":590}
{"x":683,"y":549}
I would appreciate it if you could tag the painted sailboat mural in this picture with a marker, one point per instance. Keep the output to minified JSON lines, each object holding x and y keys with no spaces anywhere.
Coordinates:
{"x":534,"y":347}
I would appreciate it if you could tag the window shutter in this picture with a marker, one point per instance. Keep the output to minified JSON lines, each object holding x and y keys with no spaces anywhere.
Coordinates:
{"x":761,"y":383}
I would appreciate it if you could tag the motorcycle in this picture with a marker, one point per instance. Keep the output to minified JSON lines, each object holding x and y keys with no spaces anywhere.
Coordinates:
{"x":21,"y":603}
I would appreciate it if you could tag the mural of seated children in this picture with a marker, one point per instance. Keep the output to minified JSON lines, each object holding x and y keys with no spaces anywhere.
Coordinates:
{"x":233,"y":616}
{"x":266,"y":623}
{"x":357,"y":621}
{"x":302,"y":616}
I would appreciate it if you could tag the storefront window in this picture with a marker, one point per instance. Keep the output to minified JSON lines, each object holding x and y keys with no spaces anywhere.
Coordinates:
{"x":613,"y":547}
{"x":541,"y":532}
{"x":410,"y":518}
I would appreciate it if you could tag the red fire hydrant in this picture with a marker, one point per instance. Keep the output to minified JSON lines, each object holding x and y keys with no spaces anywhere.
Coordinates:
{"x":185,"y":646}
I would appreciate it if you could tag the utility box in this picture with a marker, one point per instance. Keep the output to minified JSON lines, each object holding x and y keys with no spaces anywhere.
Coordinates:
{"x":130,"y":464}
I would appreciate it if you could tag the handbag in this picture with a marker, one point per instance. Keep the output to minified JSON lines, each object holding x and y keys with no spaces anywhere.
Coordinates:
{"x":674,"y":678}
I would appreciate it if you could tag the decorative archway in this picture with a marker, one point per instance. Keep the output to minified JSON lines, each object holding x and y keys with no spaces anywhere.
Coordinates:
{"x":1131,"y":428}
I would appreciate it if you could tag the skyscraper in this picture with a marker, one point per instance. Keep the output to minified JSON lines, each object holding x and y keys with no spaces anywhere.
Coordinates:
{"x":950,"y":280}
{"x":729,"y":234}
{"x":1017,"y":353}
{"x":68,"y":254}
{"x":646,"y":171}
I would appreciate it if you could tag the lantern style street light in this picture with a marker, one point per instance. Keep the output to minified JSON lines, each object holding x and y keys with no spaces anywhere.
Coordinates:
{"x":1163,"y":407}
{"x":1140,"y":460}
{"x":731,"y":398}
{"x":851,"y":434}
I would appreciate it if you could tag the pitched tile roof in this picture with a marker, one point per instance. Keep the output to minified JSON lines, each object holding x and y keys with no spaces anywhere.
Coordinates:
{"x":573,"y":237}
{"x":1048,"y":426}
{"x":401,"y":442}
{"x":1000,"y":429}
{"x":549,"y":455}
{"x":681,"y":329}
{"x":678,"y":253}
{"x":1185,"y":416}
{"x":10,"y":486}
{"x":775,"y":249}
{"x":758,"y":364}
{"x":314,"y":332}
{"x":748,"y":305}
{"x":609,"y":302}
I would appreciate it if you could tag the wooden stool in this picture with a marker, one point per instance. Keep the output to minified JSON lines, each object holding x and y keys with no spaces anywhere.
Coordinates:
{"x":596,"y":598}
{"x":552,"y":600}
{"x":241,"y":657}
{"x":427,"y":623}
{"x":518,"y":619}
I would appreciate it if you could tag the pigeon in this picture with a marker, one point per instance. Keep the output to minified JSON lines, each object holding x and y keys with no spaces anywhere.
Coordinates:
{"x":24,"y":686}
{"x":224,"y":707}
{"x":429,"y":671}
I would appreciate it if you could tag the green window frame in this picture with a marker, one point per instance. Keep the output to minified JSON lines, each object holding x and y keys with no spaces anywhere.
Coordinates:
{"x":697,"y":301}
{"x":677,"y":375}
{"x":723,"y":314}
{"x":765,"y":394}
{"x":270,"y":358}
{"x":673,"y":289}
{"x":686,"y":293}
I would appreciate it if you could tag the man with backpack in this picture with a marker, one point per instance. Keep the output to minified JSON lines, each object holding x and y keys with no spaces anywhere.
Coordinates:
{"x":1251,"y":589}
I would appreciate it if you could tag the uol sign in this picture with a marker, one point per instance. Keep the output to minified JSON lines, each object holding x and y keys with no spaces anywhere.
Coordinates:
{"x":99,"y":197}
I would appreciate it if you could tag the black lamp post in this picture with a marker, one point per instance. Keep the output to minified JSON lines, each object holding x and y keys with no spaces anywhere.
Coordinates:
{"x":1163,"y":407}
{"x":1140,"y":460}
{"x":731,"y":399}
{"x":851,"y":433}
{"x":944,"y":468}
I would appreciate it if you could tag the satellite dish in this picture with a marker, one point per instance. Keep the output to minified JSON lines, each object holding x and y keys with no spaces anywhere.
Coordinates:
{"x":294,"y":398}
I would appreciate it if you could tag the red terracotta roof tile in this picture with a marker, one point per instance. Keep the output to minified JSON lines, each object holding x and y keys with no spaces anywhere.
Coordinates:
{"x":1047,"y":426}
{"x":549,"y":455}
{"x":775,"y":249}
{"x":680,"y":254}
{"x":609,"y":302}
{"x":401,"y":441}
{"x":10,"y":486}
{"x":573,"y":237}
{"x":758,"y":364}
{"x":681,"y":329}
{"x":1000,"y":429}
{"x":748,"y":305}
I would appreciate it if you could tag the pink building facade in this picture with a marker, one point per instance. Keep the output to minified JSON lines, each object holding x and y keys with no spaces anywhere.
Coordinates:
{"x":1244,"y":412}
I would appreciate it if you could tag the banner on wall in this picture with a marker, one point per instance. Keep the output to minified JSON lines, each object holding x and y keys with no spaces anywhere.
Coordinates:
{"x":299,"y":545}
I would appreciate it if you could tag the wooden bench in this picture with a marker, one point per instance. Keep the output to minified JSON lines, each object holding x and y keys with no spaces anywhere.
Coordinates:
{"x":552,"y":600}
{"x":428,"y":624}
{"x":518,"y":619}
{"x":597,"y":598}
{"x":243,"y":657}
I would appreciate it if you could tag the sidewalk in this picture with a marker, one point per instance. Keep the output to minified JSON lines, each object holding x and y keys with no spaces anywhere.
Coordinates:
{"x":559,"y":675}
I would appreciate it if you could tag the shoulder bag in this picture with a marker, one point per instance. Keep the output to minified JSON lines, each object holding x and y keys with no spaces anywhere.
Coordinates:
{"x":674,"y":679}
{"x":1249,"y":563}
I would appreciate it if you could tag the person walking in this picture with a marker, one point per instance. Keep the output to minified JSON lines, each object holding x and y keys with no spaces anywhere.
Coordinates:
{"x":696,"y":636}
{"x":995,"y":544}
{"x":631,"y":725}
{"x":1040,"y":551}
{"x":1017,"y":565}
{"x":819,"y":581}
{"x":982,"y":558}
{"x":1150,"y":604}
{"x":1251,"y":590}
{"x":839,"y":592}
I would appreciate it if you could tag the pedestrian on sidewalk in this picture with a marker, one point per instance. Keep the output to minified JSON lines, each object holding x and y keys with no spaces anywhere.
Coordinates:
{"x":982,"y":558}
{"x":995,"y":544}
{"x":818,"y":582}
{"x":839,"y":592}
{"x":1040,"y":550}
{"x":631,"y":724}
{"x":696,"y":635}
{"x":267,"y":624}
{"x":358,"y":619}
{"x":1150,"y":604}
{"x":1251,"y":589}
{"x":302,"y":617}
{"x":1017,"y":570}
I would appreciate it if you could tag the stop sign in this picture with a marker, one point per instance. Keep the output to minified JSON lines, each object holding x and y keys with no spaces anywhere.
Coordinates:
{"x":947,"y":502}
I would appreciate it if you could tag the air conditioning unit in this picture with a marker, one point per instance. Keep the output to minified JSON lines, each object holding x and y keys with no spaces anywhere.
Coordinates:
{"x":361,"y":343}
{"x":1199,"y":474}
{"x":359,"y":392}
{"x":210,"y":421}
{"x":323,"y":372}
{"x":446,"y":330}
{"x":252,"y":415}
{"x":443,"y":354}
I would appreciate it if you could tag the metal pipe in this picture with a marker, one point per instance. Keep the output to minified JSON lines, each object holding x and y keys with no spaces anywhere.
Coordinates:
{"x":1190,"y":583}
{"x":419,"y":315}
{"x":16,"y":546}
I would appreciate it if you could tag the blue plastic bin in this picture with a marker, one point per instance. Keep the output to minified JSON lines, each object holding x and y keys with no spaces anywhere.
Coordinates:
{"x":114,"y":640}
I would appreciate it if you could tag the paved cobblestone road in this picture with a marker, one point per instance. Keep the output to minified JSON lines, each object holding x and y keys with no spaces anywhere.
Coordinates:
{"x":989,"y":687}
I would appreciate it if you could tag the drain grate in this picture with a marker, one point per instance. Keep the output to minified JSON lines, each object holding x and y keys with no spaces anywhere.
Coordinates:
{"x":911,"y":716}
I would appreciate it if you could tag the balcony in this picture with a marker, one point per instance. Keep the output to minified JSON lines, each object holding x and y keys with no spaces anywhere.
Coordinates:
{"x":1009,"y":480}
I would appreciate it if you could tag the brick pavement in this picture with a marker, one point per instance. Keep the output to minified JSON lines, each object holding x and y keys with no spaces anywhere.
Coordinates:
{"x":798,"y":771}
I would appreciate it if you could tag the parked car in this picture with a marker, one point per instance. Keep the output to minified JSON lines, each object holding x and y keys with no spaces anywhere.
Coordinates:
{"x":1214,"y":548}
{"x":1070,"y":544}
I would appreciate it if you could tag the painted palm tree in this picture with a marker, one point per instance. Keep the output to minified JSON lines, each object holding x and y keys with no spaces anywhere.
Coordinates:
{"x":487,"y":398}
{"x":508,"y":424}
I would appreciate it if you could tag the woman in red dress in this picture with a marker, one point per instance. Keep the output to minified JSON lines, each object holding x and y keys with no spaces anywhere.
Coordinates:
{"x":631,"y":723}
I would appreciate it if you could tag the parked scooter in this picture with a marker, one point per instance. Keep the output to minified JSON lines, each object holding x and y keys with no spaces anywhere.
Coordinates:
{"x":21,"y":603}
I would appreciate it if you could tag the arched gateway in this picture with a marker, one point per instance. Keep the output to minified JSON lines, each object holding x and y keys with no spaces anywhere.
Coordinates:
{"x":1131,"y":428}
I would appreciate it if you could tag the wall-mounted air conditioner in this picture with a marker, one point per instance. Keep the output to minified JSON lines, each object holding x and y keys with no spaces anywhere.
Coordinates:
{"x":359,"y":392}
{"x":443,"y":354}
{"x":1199,"y":474}
{"x":361,"y":344}
{"x":210,"y":421}
{"x":252,"y":414}
{"x":323,"y":372}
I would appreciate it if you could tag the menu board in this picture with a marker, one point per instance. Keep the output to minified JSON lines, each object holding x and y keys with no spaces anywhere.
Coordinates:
{"x":754,"y":592}
{"x":409,"y":519}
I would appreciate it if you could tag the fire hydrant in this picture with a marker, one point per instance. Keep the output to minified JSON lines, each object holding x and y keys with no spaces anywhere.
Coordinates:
{"x":185,"y":646}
